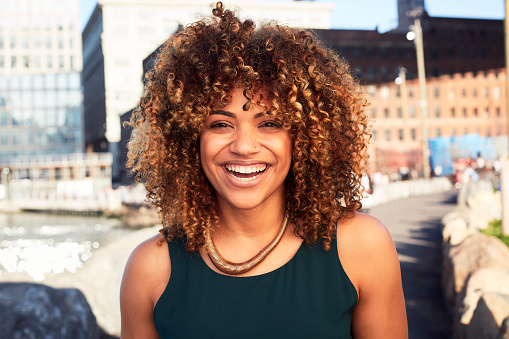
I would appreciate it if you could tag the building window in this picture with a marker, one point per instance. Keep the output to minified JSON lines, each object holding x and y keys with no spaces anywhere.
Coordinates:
{"x":60,"y":62}
{"x":400,"y":134}
{"x":410,"y":91}
{"x":413,"y":134}
{"x":386,"y":113}
{"x":453,"y":112}
{"x":434,"y":53}
{"x":2,"y":61}
{"x":485,"y":92}
{"x":388,"y":134}
{"x":487,"y":112}
{"x":465,"y":131}
{"x":488,"y":132}
{"x":436,"y":92}
{"x":14,"y":63}
{"x":48,"y":43}
{"x":439,"y":132}
{"x":437,"y":112}
{"x":496,"y":93}
{"x":13,"y":42}
{"x":411,"y":112}
{"x":400,"y":113}
{"x":4,"y":138}
{"x":37,"y":61}
{"x":374,"y":135}
{"x":26,"y":61}
{"x":475,"y":112}
{"x":385,"y":92}
{"x":1,"y":42}
{"x":453,"y":131}
{"x":497,"y":110}
{"x":60,"y":43}
{"x":371,"y":73}
{"x":474,"y":92}
{"x":49,"y":61}
{"x":73,"y":62}
{"x":398,"y":91}
{"x":372,"y":91}
{"x":464,"y":112}
{"x":463,"y":92}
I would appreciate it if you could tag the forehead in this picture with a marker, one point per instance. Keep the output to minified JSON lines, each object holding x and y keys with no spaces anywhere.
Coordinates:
{"x":241,"y":99}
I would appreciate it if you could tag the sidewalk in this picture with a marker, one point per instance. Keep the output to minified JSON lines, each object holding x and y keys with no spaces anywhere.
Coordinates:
{"x":414,"y":224}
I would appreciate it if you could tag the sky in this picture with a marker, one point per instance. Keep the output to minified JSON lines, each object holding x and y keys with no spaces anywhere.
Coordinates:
{"x":370,"y":14}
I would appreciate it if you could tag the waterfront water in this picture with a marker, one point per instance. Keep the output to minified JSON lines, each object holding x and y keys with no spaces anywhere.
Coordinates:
{"x":39,"y":245}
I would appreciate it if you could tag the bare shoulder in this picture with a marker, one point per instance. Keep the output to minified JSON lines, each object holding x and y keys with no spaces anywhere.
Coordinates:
{"x":364,"y":244}
{"x":370,"y":260}
{"x":145,"y":277}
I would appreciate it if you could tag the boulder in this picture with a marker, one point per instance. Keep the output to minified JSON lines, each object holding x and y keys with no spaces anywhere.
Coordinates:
{"x":29,"y":310}
{"x":457,"y":213}
{"x":456,"y":230}
{"x":485,"y":206}
{"x":488,"y":318}
{"x":101,"y":275}
{"x":479,"y":282}
{"x":475,"y":252}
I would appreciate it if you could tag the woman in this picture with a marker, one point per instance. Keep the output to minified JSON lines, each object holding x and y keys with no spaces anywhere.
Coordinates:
{"x":252,"y":143}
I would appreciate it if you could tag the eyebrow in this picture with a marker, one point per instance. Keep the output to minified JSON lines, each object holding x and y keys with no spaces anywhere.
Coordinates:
{"x":233,"y":115}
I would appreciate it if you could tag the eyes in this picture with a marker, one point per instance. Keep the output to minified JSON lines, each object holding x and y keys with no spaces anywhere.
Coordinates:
{"x":264,"y":124}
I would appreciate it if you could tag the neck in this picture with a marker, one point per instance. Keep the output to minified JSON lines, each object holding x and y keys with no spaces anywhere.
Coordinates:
{"x":263,"y":221}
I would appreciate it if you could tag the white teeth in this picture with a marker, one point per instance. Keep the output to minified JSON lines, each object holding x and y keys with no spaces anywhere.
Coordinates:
{"x":245,"y":169}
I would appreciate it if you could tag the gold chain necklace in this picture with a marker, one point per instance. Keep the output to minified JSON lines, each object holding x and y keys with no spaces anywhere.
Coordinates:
{"x":232,"y":268}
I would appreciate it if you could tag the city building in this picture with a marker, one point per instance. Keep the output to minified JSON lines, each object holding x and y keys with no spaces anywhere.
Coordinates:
{"x":465,"y":104}
{"x":40,"y":86}
{"x":451,"y":45}
{"x":121,"y":33}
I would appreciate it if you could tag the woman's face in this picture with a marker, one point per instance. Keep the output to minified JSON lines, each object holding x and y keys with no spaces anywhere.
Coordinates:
{"x":246,"y":155}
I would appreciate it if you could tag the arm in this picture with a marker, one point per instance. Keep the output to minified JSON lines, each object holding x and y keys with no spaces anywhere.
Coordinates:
{"x":370,"y":259}
{"x":145,"y":277}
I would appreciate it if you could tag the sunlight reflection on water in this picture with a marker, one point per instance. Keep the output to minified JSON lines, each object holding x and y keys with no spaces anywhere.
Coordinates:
{"x":41,"y":245}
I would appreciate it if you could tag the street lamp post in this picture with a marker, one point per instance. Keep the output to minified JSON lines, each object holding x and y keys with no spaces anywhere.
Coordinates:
{"x":504,"y":175}
{"x":421,"y":73}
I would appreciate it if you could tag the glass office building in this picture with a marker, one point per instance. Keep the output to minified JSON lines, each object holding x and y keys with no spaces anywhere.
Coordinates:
{"x":40,"y":81}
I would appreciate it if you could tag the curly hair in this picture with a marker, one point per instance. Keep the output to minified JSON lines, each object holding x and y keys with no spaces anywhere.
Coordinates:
{"x":310,"y":90}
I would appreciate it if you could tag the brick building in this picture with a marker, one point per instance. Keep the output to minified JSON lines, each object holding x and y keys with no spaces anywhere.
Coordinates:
{"x":464,"y":104}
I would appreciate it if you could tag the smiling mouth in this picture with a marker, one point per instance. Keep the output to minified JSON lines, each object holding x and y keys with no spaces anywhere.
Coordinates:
{"x":245,"y":173}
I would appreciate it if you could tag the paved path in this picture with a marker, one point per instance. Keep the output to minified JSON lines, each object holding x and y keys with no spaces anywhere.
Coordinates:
{"x":414,"y":224}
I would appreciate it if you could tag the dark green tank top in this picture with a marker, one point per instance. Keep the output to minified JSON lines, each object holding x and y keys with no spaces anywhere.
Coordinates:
{"x":309,"y":297}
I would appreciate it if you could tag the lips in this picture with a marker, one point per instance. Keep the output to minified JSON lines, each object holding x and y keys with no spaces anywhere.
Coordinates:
{"x":245,"y":173}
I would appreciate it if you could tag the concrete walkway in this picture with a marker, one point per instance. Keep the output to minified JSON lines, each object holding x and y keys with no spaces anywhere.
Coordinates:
{"x":414,"y":224}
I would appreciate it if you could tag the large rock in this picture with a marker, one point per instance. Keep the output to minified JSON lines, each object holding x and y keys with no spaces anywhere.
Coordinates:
{"x":456,"y":230}
{"x":36,"y":311}
{"x":485,"y":206}
{"x":489,"y":315}
{"x":479,"y":282}
{"x":100,"y":278}
{"x":475,"y":252}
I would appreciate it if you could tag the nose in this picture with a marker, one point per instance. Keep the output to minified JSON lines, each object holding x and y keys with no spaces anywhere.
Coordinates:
{"x":245,"y":141}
